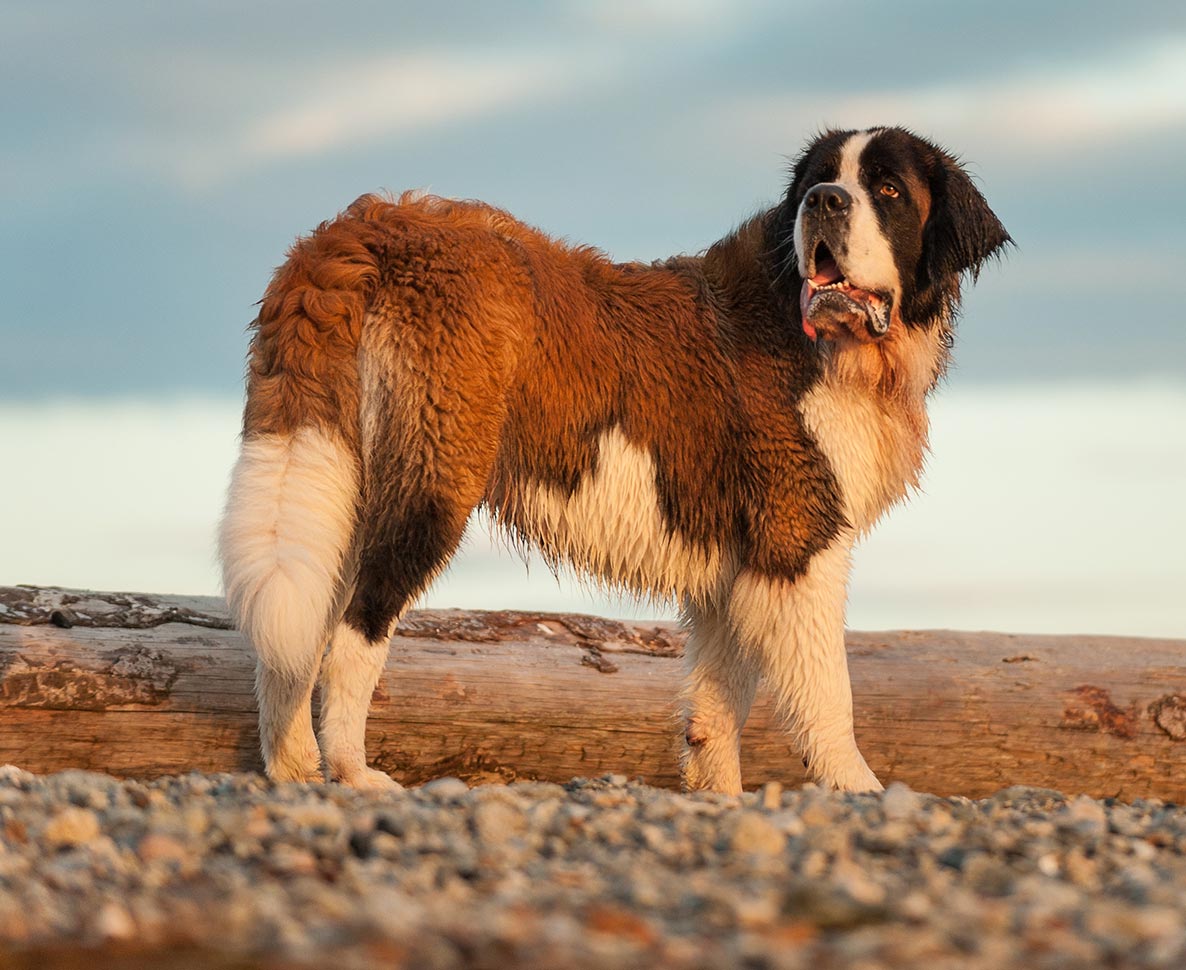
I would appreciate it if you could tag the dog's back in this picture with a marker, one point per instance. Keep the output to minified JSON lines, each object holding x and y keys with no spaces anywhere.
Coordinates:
{"x":413,"y":359}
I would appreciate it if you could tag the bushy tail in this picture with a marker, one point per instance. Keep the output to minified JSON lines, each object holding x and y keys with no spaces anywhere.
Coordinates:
{"x":288,"y":524}
{"x":291,"y":511}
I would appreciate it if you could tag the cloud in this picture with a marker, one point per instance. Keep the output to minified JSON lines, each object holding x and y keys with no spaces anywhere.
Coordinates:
{"x":402,"y":94}
{"x":355,"y":105}
{"x":664,"y":16}
{"x":1139,"y":90}
{"x":215,"y":113}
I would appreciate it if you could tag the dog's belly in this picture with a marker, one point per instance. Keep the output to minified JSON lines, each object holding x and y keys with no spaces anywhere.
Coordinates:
{"x":611,"y":527}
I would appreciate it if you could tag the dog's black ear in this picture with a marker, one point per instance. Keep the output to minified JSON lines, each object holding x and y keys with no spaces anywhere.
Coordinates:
{"x":962,"y":231}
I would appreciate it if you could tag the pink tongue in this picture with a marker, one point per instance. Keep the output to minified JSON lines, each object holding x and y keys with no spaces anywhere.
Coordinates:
{"x":826,"y":271}
{"x":804,"y":301}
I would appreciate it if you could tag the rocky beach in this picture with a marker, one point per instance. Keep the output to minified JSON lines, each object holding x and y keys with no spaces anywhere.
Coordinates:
{"x":230,"y":871}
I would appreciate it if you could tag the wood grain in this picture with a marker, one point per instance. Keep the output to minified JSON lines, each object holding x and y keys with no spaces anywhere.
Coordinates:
{"x":140,"y":685}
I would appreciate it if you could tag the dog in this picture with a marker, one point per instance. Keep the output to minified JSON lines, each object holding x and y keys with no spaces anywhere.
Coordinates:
{"x":718,"y":429}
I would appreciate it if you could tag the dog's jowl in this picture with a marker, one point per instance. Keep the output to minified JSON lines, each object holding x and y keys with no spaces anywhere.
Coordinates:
{"x":717,"y":429}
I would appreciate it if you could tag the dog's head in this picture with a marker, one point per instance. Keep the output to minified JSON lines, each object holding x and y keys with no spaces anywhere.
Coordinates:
{"x":876,"y":230}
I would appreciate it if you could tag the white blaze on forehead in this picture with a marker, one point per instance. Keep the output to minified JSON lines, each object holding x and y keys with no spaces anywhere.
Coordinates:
{"x":868,"y":262}
{"x":850,"y":160}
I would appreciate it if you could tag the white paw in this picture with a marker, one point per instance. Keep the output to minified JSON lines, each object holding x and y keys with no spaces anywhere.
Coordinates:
{"x":368,"y":779}
{"x":302,"y":766}
{"x":854,"y":776}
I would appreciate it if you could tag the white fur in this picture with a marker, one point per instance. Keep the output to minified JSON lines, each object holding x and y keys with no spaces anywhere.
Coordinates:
{"x":612,"y":527}
{"x":719,"y":685}
{"x":286,"y":725}
{"x":795,"y":633}
{"x":869,"y":261}
{"x":349,"y":673}
{"x":289,"y":519}
{"x":874,"y":450}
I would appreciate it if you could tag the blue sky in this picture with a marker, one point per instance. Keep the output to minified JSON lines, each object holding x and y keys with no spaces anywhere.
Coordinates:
{"x":157,"y":159}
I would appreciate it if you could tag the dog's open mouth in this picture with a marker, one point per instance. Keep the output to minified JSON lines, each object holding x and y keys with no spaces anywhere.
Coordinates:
{"x":833,"y":306}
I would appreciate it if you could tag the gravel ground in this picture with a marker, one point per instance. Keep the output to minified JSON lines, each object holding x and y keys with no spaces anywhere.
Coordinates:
{"x":229,"y":871}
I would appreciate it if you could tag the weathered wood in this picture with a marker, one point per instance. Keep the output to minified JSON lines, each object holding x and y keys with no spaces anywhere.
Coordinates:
{"x":147,"y":685}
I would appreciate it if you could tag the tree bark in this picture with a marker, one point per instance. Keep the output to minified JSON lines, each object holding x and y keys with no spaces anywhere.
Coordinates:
{"x":140,"y":685}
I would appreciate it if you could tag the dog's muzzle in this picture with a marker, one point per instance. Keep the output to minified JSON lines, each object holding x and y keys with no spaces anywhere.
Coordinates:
{"x":830,"y":304}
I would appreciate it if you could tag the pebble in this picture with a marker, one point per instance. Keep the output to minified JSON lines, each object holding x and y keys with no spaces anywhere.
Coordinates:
{"x":495,"y":822}
{"x":445,"y":788}
{"x":70,"y":827}
{"x":771,"y":796}
{"x":754,"y":835}
{"x":1085,"y":815}
{"x":158,"y":847}
{"x":113,"y":922}
{"x":596,"y":874}
{"x":898,"y":802}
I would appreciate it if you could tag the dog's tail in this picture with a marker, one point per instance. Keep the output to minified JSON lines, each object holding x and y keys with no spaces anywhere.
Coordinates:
{"x":291,"y":513}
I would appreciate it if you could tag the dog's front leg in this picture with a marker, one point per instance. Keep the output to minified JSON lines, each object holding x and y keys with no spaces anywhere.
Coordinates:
{"x":718,"y":691}
{"x":796,"y":630}
{"x":349,"y":674}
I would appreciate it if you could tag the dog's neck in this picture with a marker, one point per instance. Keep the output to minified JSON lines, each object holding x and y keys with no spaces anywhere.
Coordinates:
{"x":903,"y":366}
{"x":740,"y":270}
{"x":864,"y":402}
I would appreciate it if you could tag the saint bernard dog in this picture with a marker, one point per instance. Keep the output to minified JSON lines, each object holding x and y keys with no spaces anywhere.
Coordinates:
{"x":719,"y":429}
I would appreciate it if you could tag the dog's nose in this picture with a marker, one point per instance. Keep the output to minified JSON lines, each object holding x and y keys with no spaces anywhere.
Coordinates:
{"x":828,"y":198}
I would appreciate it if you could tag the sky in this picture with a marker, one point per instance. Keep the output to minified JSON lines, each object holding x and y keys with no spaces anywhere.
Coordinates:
{"x":156,"y":160}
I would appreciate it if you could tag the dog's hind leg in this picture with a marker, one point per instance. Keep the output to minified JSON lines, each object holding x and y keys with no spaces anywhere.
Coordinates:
{"x":286,"y":736}
{"x":430,"y":430}
{"x":405,"y":547}
{"x":796,"y":629}
{"x":717,"y":693}
{"x":289,"y":518}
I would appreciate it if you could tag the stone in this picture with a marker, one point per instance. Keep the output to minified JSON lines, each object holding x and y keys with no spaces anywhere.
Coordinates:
{"x":1085,"y":816}
{"x":898,"y":802}
{"x":158,"y":847}
{"x":446,"y":788}
{"x":71,"y":826}
{"x":752,"y":834}
{"x":495,"y":822}
{"x":114,"y":922}
{"x":770,"y":797}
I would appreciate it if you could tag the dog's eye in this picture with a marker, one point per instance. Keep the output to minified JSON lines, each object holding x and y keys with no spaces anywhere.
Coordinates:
{"x":889,"y":190}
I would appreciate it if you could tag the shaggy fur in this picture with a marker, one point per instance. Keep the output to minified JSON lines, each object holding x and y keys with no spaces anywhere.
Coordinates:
{"x":718,"y":429}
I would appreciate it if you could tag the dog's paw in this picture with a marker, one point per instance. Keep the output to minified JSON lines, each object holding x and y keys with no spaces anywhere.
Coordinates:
{"x":369,"y":779}
{"x":848,"y":773}
{"x":858,"y":779}
{"x":300,"y":764}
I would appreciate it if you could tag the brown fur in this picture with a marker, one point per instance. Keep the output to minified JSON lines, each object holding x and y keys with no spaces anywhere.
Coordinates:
{"x":516,"y":348}
{"x":669,"y":428}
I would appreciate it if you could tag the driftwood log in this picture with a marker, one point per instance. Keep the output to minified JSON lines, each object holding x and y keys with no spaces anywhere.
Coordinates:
{"x":139,"y":685}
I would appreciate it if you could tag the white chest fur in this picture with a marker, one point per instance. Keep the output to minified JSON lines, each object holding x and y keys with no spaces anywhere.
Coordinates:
{"x":875,"y":445}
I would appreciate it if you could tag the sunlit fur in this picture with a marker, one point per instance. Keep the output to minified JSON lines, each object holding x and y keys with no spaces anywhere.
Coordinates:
{"x":667,"y":428}
{"x":289,"y":519}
